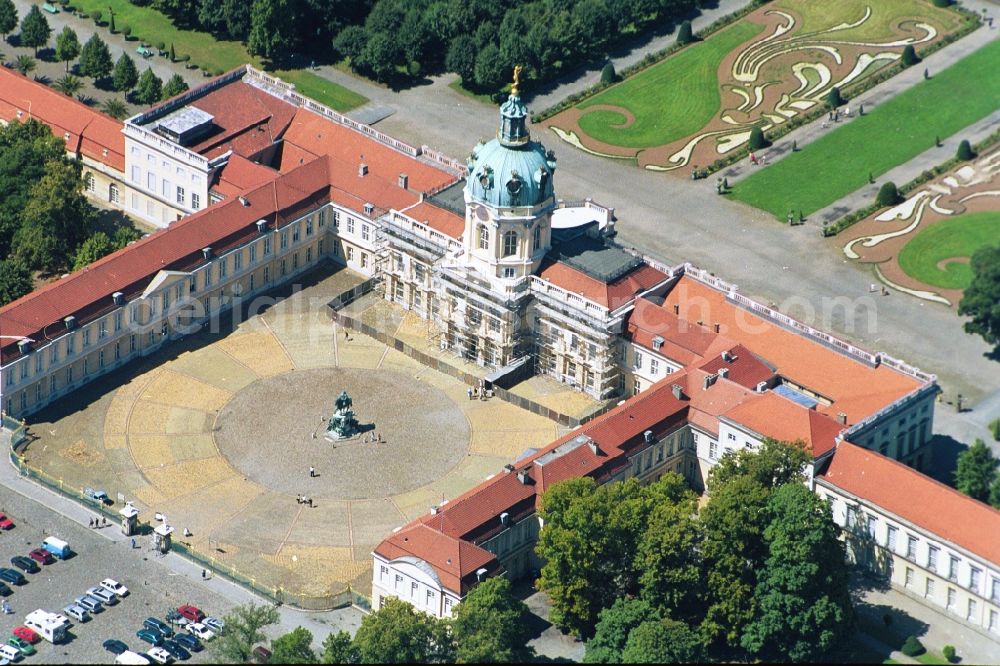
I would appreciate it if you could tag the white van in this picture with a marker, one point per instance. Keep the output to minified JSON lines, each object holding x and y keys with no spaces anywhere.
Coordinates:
{"x":129,"y":657}
{"x":48,"y":625}
{"x":10,"y":653}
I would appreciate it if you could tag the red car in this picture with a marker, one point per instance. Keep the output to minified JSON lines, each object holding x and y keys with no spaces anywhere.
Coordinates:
{"x":192,"y":613}
{"x":5,"y":522}
{"x":41,"y":556}
{"x":26,"y":634}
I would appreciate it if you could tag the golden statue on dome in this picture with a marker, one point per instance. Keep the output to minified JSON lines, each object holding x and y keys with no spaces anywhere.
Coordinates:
{"x":516,"y":86}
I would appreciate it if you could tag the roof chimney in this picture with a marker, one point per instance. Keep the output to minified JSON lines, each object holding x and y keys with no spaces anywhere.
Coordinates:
{"x":761,"y":386}
{"x":678,"y":391}
{"x":596,"y":450}
{"x":522,"y":476}
{"x":723,"y":372}
{"x":701,"y":322}
{"x":434,"y":510}
{"x":24,"y":346}
{"x":727,"y":357}
{"x":118,"y":298}
{"x":842,"y":418}
{"x":404,"y":181}
{"x":261,"y":226}
{"x":508,"y":468}
{"x":244,"y":201}
{"x":709,"y":380}
{"x":504,"y":518}
{"x":206,"y":252}
{"x":70,"y":322}
{"x":677,"y":309}
{"x":717,"y":327}
{"x":362,"y":169}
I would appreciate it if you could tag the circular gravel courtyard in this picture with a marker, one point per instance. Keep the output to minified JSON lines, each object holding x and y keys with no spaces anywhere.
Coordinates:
{"x":266,"y":432}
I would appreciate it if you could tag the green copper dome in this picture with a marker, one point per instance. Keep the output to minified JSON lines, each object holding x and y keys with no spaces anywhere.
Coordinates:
{"x":511,"y":170}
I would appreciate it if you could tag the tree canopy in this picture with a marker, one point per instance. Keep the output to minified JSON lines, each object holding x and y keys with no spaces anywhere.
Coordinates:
{"x":243,"y":631}
{"x":8,"y":17}
{"x":490,"y":625}
{"x":175,"y":85}
{"x":149,"y":90}
{"x":95,"y":58}
{"x":981,"y":300}
{"x":975,"y":471}
{"x":295,"y":647}
{"x":35,"y":30}
{"x":399,"y":634}
{"x":67,"y":46}
{"x":125,"y":74}
{"x":662,"y":642}
{"x":614,"y":625}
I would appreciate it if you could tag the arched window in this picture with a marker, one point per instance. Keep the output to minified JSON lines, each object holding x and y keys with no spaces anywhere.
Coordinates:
{"x":484,"y":237}
{"x":113,"y":195}
{"x":537,"y":240}
{"x":88,"y":181}
{"x":509,"y":243}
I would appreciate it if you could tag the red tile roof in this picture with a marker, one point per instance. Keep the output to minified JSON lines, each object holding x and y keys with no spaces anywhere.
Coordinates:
{"x":742,"y":365}
{"x":771,"y":415}
{"x":241,"y":174}
{"x":855,"y":388}
{"x":91,"y":133}
{"x":315,"y":134}
{"x":683,"y":341}
{"x":611,"y":295}
{"x":454,"y":561}
{"x":248,"y":119}
{"x":439,"y":219}
{"x":917,"y":498}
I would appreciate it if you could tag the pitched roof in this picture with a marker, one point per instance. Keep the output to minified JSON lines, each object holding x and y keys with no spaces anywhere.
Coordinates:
{"x":772,"y":415}
{"x":313,"y":133}
{"x":612,"y":295}
{"x":917,"y":498}
{"x":241,"y":174}
{"x":683,"y":341}
{"x":454,"y":561}
{"x":437,"y":218}
{"x":742,"y":366}
{"x":91,"y":133}
{"x":855,"y":388}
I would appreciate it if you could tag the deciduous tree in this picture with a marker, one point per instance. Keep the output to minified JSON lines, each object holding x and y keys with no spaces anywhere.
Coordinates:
{"x":802,"y":596}
{"x":491,"y":625}
{"x":975,"y":471}
{"x":8,"y":17}
{"x":67,"y":46}
{"x":614,"y":625}
{"x":338,"y":648}
{"x":92,"y":249}
{"x":662,"y":642}
{"x":175,"y":86}
{"x":981,"y":300}
{"x":295,"y":647}
{"x":243,"y":631}
{"x":149,"y":89}
{"x":399,"y":634}
{"x":15,"y":280}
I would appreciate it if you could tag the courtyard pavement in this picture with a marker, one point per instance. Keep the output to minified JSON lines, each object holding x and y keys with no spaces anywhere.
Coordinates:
{"x":216,"y":431}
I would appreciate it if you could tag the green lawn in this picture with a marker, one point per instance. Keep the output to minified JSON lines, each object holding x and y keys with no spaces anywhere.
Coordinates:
{"x":822,"y":15}
{"x":210,"y":53}
{"x":953,"y":237}
{"x":888,"y":135}
{"x":670,"y":100}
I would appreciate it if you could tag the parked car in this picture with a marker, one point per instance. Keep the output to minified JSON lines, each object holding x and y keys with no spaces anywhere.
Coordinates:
{"x":98,"y":496}
{"x":22,"y":645}
{"x":192,"y":613}
{"x":151,"y":636}
{"x":214,"y":623}
{"x":160,"y":656}
{"x":5,"y":590}
{"x":11,"y":576}
{"x":261,"y":654}
{"x":106,"y":598}
{"x":175,"y":649}
{"x":5,"y":522}
{"x":25,"y":564}
{"x":90,"y":603}
{"x":158,"y":625}
{"x":113,"y":586}
{"x":188,"y":641}
{"x":114,"y":646}
{"x":176,"y":618}
{"x":201,"y":631}
{"x":27,"y":634}
{"x":78,"y":613}
{"x":41,"y":556}
{"x":10,"y":653}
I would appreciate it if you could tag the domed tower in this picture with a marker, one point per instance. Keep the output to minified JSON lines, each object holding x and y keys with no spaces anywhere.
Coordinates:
{"x":509,"y":197}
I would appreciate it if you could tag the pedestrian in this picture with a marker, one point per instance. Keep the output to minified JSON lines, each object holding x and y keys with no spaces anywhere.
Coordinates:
{"x":187,"y":532}
{"x":312,"y":472}
{"x":823,"y":124}
{"x":204,"y":574}
{"x":133,"y":543}
{"x":105,"y":521}
{"x":310,"y":502}
{"x":91,"y":523}
{"x":345,"y":333}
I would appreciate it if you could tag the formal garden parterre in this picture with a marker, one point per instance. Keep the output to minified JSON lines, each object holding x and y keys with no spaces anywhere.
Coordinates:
{"x":922,"y":246}
{"x":777,"y":63}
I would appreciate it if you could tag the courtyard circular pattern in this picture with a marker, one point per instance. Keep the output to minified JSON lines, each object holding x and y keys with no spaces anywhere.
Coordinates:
{"x":272,"y":432}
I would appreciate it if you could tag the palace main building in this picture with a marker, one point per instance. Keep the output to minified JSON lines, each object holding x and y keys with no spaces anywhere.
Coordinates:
{"x":252,"y":184}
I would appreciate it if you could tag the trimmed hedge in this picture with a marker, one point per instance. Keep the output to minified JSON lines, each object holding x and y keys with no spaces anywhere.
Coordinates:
{"x":912,"y":647}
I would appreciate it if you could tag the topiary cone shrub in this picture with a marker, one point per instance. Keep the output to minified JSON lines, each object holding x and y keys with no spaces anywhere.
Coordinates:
{"x":948,"y":652}
{"x":888,"y":195}
{"x":965,"y":151}
{"x":684,"y":35}
{"x":910,"y":56}
{"x":608,"y":74}
{"x":912,"y":647}
{"x":757,"y":139}
{"x":834,"y":98}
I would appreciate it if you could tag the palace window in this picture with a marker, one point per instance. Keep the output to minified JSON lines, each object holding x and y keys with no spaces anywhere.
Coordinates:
{"x":994,"y":621}
{"x":267,"y":245}
{"x":195,"y":200}
{"x":284,"y":239}
{"x":975,"y":576}
{"x":654,"y":366}
{"x":114,"y":196}
{"x":321,"y":219}
{"x":891,"y":540}
{"x":872,"y":521}
{"x":537,"y":238}
{"x":713,"y":450}
{"x":89,"y":182}
{"x":973,"y":607}
{"x":952,"y":567}
{"x":509,"y":243}
{"x":309,"y":227}
{"x":295,"y":233}
{"x":365,"y":232}
{"x":932,"y":556}
{"x":911,"y":547}
{"x":995,"y":590}
{"x":909,"y":577}
{"x":952,"y":598}
{"x":253,"y":252}
{"x":180,"y":195}
{"x":238,"y":261}
{"x":929,"y":587}
{"x":350,"y":225}
{"x":484,"y":237}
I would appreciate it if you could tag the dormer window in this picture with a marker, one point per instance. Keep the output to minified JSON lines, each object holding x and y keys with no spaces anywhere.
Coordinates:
{"x":514,"y":186}
{"x":486,"y":178}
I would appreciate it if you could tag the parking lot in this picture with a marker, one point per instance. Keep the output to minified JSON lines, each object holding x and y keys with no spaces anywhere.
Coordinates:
{"x":153,"y":589}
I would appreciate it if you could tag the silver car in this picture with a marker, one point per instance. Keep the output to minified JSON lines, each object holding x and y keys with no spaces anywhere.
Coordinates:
{"x":90,"y":603}
{"x":107,"y":598}
{"x":78,"y":613}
